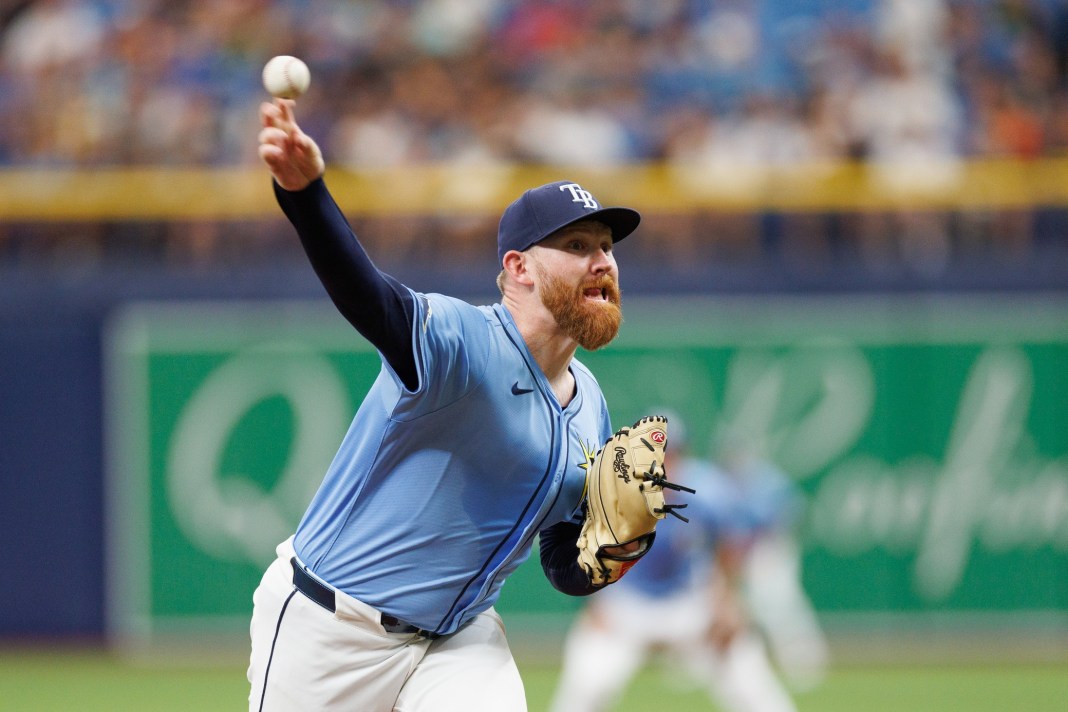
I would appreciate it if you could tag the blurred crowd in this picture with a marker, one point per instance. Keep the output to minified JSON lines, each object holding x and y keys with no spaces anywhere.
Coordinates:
{"x":709,"y":83}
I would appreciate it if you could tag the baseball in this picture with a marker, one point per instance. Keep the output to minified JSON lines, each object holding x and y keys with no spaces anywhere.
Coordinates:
{"x":286,"y":77}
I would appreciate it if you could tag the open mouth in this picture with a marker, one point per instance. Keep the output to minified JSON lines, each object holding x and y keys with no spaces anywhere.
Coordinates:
{"x":596,"y":293}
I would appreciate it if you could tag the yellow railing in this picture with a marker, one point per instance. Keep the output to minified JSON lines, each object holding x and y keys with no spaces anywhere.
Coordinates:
{"x":157,"y":193}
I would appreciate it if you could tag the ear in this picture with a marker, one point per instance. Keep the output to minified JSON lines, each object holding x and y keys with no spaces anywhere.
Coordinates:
{"x":517,"y":265}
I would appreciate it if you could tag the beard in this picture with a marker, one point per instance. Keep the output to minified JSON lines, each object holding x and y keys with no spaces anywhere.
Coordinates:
{"x":591,"y":324}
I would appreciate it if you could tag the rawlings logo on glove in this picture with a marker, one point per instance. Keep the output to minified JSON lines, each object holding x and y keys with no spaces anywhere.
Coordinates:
{"x":625,"y":500}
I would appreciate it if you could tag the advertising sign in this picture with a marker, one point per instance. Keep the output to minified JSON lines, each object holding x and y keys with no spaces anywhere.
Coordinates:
{"x":929,"y":437}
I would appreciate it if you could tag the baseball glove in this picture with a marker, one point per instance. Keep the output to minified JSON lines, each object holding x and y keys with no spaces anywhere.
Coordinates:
{"x":625,"y":500}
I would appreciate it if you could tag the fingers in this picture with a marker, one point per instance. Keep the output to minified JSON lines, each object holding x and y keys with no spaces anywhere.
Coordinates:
{"x":274,"y":148}
{"x":278,"y":144}
{"x":279,"y":114}
{"x":269,"y":114}
{"x":280,"y":129}
{"x":292,"y":156}
{"x":285,"y":107}
{"x":273,"y":135}
{"x":273,"y":145}
{"x":303,"y":144}
{"x":271,"y":155}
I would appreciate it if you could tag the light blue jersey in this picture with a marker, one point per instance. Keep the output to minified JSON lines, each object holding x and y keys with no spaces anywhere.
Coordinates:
{"x":435,"y":495}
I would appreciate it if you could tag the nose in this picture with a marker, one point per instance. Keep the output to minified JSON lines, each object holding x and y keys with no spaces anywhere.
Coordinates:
{"x":602,"y":262}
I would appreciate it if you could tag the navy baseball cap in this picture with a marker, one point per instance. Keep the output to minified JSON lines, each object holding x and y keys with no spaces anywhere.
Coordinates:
{"x":541,"y":211}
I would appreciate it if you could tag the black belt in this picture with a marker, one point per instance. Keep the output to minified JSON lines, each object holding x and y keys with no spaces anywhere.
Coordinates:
{"x":324,"y":596}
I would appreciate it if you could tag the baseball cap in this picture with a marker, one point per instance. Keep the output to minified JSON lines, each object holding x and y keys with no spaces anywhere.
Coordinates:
{"x":541,"y":211}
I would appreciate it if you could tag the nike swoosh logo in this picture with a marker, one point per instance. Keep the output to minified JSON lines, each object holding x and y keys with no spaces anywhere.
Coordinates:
{"x":517,"y":390}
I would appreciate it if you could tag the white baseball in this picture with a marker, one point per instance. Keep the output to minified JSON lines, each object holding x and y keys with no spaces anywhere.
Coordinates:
{"x":286,"y":77}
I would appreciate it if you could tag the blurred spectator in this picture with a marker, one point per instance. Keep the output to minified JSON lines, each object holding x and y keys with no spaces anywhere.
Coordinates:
{"x":566,"y":130}
{"x":907,"y":125}
{"x":50,"y":34}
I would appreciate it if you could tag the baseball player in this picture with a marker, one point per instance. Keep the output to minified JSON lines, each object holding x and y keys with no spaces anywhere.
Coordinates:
{"x":474,"y":439}
{"x":771,"y":574}
{"x":685,"y":600}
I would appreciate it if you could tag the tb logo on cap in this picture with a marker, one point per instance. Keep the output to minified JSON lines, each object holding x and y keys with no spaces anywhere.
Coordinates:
{"x":578,"y":195}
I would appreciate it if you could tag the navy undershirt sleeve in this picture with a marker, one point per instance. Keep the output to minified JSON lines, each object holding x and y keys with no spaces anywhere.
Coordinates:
{"x":377,"y":305}
{"x":559,"y":559}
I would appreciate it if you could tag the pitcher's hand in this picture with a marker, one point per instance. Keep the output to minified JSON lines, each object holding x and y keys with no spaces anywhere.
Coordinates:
{"x":293,"y":157}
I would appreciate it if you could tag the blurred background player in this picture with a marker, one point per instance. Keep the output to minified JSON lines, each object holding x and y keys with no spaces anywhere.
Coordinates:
{"x":685,"y":601}
{"x":771,"y":571}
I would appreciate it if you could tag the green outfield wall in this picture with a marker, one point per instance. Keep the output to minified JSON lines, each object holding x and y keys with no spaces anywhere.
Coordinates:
{"x":929,"y":435}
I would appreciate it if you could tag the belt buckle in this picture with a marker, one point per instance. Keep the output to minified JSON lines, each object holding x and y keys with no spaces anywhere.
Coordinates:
{"x":392,"y":624}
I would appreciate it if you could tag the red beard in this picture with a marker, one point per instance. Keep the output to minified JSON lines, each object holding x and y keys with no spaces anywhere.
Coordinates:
{"x":591,"y":324}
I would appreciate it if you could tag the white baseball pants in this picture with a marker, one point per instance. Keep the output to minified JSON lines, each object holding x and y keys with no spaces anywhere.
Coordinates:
{"x":617,"y":632}
{"x":306,"y":658}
